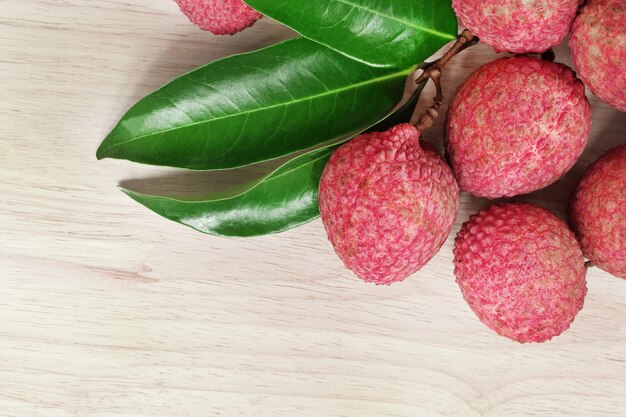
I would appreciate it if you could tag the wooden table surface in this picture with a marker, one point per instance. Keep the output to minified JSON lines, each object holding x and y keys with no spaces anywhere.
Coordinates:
{"x":107,"y":309}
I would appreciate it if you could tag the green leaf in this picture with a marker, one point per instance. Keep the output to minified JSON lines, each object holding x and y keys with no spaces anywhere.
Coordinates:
{"x":254,"y":107}
{"x":384,"y":33}
{"x":279,"y":201}
{"x":282,"y":200}
{"x":403,"y":114}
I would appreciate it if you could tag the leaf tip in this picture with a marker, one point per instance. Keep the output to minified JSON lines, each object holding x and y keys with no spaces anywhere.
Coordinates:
{"x":101,"y":152}
{"x":108,"y":148}
{"x":132,"y":194}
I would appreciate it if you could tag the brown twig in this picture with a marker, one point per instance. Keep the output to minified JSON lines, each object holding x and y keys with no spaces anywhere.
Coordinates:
{"x":433,"y":70}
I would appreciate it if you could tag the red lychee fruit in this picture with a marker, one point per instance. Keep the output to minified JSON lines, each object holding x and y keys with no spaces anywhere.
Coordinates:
{"x":221,"y":17}
{"x":518,"y":26}
{"x":521,"y":270}
{"x":516,"y":125}
{"x":598,"y":45}
{"x":598,"y":212}
{"x":387,"y":203}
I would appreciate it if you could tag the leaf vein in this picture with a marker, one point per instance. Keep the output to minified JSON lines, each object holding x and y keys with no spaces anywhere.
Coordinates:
{"x":334,"y":92}
{"x":395,"y":19}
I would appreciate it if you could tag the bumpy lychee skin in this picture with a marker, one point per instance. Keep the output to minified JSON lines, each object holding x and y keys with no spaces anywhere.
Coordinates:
{"x":221,"y":17}
{"x":515,"y":126}
{"x":519,"y":26}
{"x":387,"y":204}
{"x":521,"y":270}
{"x":598,"y":212}
{"x":598,"y":45}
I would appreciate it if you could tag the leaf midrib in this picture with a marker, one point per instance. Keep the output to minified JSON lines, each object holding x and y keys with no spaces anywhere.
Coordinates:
{"x":395,"y":19}
{"x":273,"y":106}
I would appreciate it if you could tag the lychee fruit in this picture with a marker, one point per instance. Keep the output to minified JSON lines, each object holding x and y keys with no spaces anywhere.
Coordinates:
{"x":388,"y":203}
{"x":518,"y":26}
{"x":521,"y":270}
{"x":598,"y":212}
{"x":221,"y":17}
{"x":515,"y":126}
{"x":598,"y":45}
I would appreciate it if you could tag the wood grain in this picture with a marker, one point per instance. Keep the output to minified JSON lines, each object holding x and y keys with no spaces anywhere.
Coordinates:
{"x":108,"y":310}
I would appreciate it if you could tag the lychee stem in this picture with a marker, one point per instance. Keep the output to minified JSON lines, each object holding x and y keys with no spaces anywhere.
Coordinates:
{"x":427,"y":118}
{"x":589,"y":264}
{"x":432,"y":70}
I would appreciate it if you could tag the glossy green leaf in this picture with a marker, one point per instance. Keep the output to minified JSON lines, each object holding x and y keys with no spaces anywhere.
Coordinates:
{"x":279,"y":201}
{"x":282,"y":200}
{"x":385,"y":33}
{"x":403,"y":114}
{"x":255,"y":107}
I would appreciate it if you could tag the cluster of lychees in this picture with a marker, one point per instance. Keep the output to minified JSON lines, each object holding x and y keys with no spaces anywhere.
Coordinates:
{"x":518,"y":124}
{"x":515,"y":126}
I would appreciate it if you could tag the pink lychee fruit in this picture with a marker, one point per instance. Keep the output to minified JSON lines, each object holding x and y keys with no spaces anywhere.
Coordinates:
{"x":388,"y":203}
{"x":515,"y":126}
{"x":221,"y":17}
{"x":521,"y":270}
{"x":598,"y":212}
{"x":598,"y":45}
{"x":518,"y":26}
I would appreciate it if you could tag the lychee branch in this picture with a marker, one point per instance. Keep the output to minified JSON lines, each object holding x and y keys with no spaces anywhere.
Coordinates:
{"x":433,"y":70}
